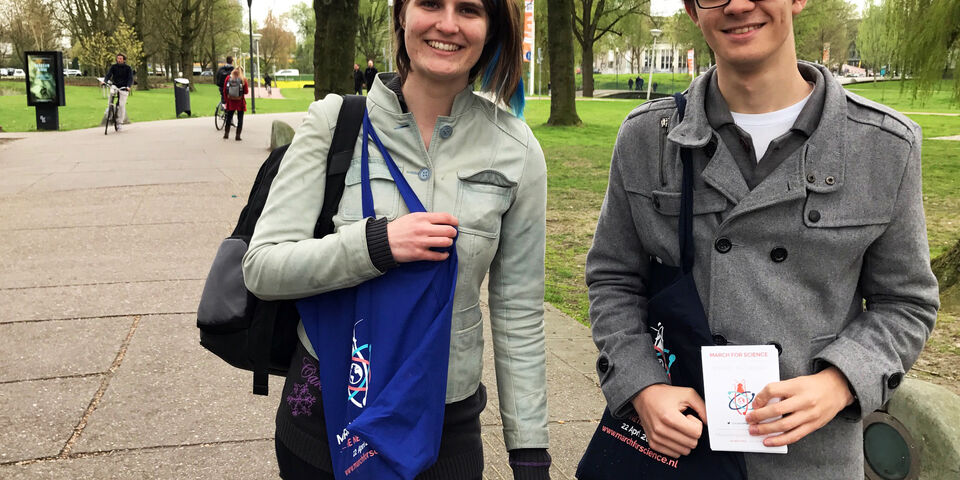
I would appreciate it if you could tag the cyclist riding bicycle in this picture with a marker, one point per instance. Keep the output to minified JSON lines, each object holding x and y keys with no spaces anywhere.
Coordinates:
{"x":222,"y":74}
{"x":121,"y":76}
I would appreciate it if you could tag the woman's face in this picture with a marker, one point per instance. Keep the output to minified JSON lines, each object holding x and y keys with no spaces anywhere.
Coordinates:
{"x":444,"y":38}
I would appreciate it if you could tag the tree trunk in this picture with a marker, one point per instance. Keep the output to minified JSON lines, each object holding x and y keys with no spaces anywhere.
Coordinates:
{"x":563,"y":107}
{"x":143,"y":75}
{"x":335,"y":43}
{"x":947,"y":269}
{"x":586,"y":65}
{"x":187,"y":12}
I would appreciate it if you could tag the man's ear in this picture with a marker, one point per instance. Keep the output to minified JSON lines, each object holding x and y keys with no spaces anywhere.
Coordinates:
{"x":798,"y":6}
{"x":691,"y":8}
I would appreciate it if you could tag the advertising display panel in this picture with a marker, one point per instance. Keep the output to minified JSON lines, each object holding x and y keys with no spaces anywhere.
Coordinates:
{"x":44,"y":79}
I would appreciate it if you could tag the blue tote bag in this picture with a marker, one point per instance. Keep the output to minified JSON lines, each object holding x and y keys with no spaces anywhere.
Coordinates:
{"x":383,"y":349}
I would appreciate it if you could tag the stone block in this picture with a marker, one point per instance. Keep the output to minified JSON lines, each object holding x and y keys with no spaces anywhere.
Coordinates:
{"x":931,"y":414}
{"x":280,"y":134}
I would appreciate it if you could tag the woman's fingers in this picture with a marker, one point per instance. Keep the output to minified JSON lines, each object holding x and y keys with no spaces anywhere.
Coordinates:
{"x":412,"y":236}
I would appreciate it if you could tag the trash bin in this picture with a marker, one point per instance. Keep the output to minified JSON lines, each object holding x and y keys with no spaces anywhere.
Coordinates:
{"x":181,"y":94}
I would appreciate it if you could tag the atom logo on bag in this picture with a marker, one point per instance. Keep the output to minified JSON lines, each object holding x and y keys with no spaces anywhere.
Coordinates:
{"x":741,"y":399}
{"x":359,"y":380}
{"x":663,"y":354}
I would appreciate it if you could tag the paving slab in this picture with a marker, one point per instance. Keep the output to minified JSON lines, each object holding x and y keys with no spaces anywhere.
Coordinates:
{"x":100,"y":300}
{"x":83,"y":180}
{"x":199,"y":462}
{"x":108,"y":254}
{"x":60,"y":348}
{"x":38,"y":417}
{"x":170,"y":391}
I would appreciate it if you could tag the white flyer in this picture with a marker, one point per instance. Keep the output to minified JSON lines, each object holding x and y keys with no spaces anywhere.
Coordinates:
{"x":732,"y":377}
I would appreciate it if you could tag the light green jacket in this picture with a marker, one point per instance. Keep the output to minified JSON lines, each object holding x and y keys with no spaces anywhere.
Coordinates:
{"x":486,"y":168}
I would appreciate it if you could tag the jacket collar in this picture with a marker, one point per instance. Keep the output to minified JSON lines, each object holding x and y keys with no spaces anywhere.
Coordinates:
{"x":386,"y":99}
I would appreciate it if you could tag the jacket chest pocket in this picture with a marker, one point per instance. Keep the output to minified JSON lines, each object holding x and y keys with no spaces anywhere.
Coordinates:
{"x":844,"y":226}
{"x":386,"y":197}
{"x":482,"y":199}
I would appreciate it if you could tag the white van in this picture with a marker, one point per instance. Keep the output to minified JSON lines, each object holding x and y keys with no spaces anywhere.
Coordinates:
{"x":18,"y":73}
{"x":287,"y":72}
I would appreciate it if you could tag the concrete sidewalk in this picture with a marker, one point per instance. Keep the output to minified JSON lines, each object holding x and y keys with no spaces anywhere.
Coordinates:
{"x":106,"y":241}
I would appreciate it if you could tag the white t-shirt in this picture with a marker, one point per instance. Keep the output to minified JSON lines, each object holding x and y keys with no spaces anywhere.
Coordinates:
{"x":765,"y":127}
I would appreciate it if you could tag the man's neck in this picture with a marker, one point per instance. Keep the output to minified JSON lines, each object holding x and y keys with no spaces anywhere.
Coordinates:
{"x":761,"y":90}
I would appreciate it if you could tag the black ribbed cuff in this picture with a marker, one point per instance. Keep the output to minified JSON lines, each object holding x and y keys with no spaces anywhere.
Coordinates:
{"x":530,"y":464}
{"x":378,"y":245}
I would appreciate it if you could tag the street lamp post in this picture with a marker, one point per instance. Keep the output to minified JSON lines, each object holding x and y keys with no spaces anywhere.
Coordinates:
{"x":653,"y":54}
{"x":253,"y":95}
{"x":616,"y":59}
{"x":390,"y":35}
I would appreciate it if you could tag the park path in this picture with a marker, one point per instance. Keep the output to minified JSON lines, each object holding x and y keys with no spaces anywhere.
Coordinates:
{"x":106,"y":241}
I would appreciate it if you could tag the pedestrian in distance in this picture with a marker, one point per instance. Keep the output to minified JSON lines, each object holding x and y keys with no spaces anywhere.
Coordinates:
{"x":807,"y":233}
{"x":222,"y":73}
{"x":485,"y":216}
{"x":268,"y":82}
{"x":369,"y":75}
{"x":629,"y":84}
{"x":358,"y":80}
{"x":639,"y":83}
{"x":234,"y":89}
{"x":122,"y":77}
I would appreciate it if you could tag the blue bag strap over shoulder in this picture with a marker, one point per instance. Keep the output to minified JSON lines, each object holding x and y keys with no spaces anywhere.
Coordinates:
{"x":409,"y":197}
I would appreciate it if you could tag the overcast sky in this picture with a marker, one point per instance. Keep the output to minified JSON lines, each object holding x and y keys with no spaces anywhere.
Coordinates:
{"x":260,"y":7}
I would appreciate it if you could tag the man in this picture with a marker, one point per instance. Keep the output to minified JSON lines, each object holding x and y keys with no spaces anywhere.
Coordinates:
{"x":369,"y":75}
{"x":639,"y":83}
{"x":222,"y":74}
{"x":629,"y":84}
{"x":808,"y":232}
{"x":122,"y":76}
{"x":357,"y":80}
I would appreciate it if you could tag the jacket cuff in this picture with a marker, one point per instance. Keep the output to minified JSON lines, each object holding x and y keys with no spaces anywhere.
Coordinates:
{"x":530,"y":463}
{"x":870,"y":383}
{"x":379,"y":245}
{"x":624,"y":375}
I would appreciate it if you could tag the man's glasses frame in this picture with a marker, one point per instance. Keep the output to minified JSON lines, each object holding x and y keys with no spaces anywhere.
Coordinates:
{"x":724,"y":4}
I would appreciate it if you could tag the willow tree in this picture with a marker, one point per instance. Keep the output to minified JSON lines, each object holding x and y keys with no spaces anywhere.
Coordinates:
{"x":335,"y":44}
{"x":928,"y":41}
{"x":563,"y":107}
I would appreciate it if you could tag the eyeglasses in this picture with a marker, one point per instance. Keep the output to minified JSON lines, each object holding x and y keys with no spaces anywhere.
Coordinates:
{"x":708,"y":4}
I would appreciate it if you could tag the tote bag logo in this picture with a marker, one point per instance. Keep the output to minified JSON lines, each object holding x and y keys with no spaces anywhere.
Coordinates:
{"x":359,"y":379}
{"x":663,"y":354}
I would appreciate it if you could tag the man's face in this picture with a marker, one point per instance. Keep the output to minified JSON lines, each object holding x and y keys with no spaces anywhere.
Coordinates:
{"x":120,"y":59}
{"x":746,"y":33}
{"x":369,"y":63}
{"x":356,"y":67}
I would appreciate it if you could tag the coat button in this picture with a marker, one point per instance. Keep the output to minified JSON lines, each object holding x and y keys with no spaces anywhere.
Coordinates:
{"x":719,"y":339}
{"x":603,"y":364}
{"x":814,"y":216}
{"x":894,"y":380}
{"x":424,"y":174}
{"x":778,"y":254}
{"x":811,"y":178}
{"x":723,"y":245}
{"x":830,"y":180}
{"x":446,"y":131}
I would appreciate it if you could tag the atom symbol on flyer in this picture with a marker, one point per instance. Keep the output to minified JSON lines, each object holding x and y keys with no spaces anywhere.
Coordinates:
{"x":741,"y":399}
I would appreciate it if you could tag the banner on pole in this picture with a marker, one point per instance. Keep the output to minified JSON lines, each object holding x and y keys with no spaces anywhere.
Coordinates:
{"x":528,"y":31}
{"x":690,"y":63}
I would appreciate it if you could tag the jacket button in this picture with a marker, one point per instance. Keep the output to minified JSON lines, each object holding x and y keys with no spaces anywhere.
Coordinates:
{"x":814,"y":216}
{"x":446,"y":131}
{"x":719,"y":339}
{"x":811,"y":178}
{"x":894,"y":380}
{"x":723,"y":245}
{"x":603,"y":364}
{"x":778,"y":254}
{"x":830,"y":180}
{"x":779,"y":348}
{"x":424,"y":174}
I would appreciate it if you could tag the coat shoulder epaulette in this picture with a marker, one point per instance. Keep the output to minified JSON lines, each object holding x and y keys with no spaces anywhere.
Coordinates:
{"x":665,"y":103}
{"x":868,"y":112}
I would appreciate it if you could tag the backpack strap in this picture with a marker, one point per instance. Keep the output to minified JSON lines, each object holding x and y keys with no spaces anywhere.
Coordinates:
{"x":338,"y":162}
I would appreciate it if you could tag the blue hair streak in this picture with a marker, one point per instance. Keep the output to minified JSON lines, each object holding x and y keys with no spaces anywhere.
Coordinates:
{"x":517,"y":102}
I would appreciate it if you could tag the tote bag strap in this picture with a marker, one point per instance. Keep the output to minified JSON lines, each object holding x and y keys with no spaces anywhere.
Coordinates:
{"x":685,"y":230}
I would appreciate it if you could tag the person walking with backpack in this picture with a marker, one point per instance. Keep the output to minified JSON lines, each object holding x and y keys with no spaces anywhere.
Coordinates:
{"x":474,"y":178}
{"x":765,"y":206}
{"x":222,"y":74}
{"x":234,"y":89}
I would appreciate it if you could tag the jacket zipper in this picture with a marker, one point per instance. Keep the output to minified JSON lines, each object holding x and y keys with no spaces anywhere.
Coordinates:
{"x":664,"y":124}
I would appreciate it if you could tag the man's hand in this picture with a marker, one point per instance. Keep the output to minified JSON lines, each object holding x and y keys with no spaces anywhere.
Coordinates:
{"x":412,"y":236}
{"x":807,"y":403}
{"x":668,"y":430}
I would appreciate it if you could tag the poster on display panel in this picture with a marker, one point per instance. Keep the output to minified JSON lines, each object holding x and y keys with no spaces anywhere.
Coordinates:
{"x":45,"y":79}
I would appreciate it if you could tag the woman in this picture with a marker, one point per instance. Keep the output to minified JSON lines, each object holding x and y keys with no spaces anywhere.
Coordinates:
{"x":234,"y":89}
{"x":481,"y":176}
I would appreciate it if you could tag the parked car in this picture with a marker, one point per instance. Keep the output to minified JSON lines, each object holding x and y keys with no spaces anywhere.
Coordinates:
{"x":72,"y":72}
{"x":287,"y":72}
{"x":4,"y":72}
{"x":18,"y":73}
{"x":206,"y":73}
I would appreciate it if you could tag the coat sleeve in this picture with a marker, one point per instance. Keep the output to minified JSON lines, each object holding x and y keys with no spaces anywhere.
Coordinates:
{"x":879,"y":346}
{"x":616,"y":272}
{"x":284,"y":261}
{"x":516,"y":289}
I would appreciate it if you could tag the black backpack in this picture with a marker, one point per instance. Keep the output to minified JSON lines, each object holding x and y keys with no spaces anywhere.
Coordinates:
{"x":247,"y":332}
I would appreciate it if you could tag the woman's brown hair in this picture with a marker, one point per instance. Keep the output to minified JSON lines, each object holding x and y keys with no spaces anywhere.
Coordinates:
{"x":501,"y":59}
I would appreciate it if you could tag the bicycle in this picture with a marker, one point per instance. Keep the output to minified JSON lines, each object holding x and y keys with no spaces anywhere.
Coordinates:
{"x":113,"y":107}
{"x":220,"y":116}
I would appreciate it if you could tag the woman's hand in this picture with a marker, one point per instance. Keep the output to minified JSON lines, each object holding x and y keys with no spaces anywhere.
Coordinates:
{"x":412,"y":236}
{"x":668,"y":430}
{"x":807,"y":403}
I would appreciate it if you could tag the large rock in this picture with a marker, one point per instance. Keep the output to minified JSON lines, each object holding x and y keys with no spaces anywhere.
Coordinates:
{"x":932,"y":415}
{"x":280,"y":134}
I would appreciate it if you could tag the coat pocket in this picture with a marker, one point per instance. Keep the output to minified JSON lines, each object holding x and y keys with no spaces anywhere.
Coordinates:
{"x":386,"y":197}
{"x":704,"y":201}
{"x":482,"y":199}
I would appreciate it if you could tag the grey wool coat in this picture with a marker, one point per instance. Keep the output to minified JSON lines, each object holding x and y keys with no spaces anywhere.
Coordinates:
{"x":827,"y":258}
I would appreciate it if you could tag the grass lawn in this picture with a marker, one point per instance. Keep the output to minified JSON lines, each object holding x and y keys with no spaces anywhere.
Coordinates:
{"x":666,"y":82}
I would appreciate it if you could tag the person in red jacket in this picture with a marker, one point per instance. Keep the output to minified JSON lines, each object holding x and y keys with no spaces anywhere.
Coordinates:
{"x":234,"y":88}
